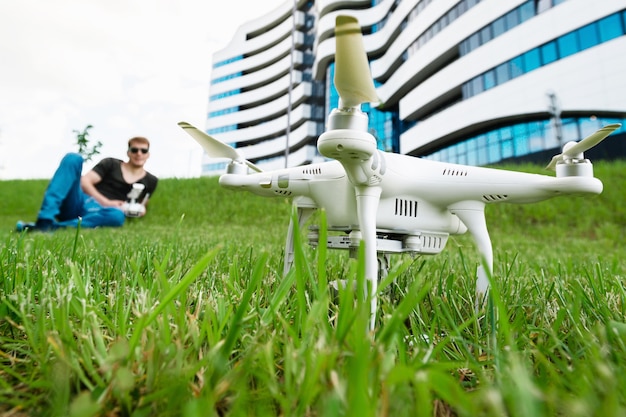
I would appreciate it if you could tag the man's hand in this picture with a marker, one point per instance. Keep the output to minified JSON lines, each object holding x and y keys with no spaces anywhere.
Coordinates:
{"x":112,"y":203}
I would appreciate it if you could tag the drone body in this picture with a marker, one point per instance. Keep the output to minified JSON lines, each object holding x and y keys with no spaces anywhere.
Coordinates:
{"x":416,"y":194}
{"x":395,"y":203}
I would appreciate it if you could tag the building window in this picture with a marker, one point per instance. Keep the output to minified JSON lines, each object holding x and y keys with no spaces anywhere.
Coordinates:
{"x":520,"y":135}
{"x":502,"y":73}
{"x":611,"y":27}
{"x":516,"y":66}
{"x":589,"y":36}
{"x":532,"y":60}
{"x":527,"y":11}
{"x":474,"y":41}
{"x":490,"y":79}
{"x":481,"y":150}
{"x":477,"y":85}
{"x":568,"y":44}
{"x":485,"y":34}
{"x":506,"y":136}
{"x":548,"y":53}
{"x":493,"y":147}
{"x":512,"y":19}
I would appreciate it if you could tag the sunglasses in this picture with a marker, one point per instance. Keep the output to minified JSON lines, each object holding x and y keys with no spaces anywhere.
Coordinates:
{"x":135,"y":150}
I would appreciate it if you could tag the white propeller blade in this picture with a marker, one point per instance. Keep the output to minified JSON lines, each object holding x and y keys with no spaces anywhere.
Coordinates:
{"x":353,"y":78}
{"x":584,"y":145}
{"x":214,"y":148}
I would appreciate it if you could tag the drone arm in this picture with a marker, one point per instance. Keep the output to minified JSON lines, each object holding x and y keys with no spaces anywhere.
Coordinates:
{"x":472,"y":214}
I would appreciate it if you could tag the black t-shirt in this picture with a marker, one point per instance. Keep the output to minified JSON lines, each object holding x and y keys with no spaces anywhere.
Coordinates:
{"x":113,"y":185}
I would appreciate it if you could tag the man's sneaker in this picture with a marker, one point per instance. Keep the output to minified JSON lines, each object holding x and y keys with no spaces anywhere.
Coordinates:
{"x":23,"y":226}
{"x":41,"y":225}
{"x":45,"y":225}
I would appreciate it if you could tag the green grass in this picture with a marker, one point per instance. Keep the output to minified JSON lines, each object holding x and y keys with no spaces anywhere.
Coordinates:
{"x":186,"y":312}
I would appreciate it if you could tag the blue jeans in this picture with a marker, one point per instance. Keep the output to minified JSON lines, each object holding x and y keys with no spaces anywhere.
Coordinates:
{"x":64,"y":201}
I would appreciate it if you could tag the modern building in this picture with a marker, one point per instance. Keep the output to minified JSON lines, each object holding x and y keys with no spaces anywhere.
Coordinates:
{"x":467,"y":81}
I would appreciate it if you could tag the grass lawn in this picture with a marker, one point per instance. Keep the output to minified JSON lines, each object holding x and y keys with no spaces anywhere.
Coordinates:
{"x":186,"y":312}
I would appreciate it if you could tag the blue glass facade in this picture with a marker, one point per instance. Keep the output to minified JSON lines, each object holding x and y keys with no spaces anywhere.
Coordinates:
{"x":225,"y":94}
{"x":571,"y":43}
{"x":519,"y":140}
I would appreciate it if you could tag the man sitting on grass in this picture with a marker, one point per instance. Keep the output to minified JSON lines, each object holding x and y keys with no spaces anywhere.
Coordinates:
{"x":99,"y":197}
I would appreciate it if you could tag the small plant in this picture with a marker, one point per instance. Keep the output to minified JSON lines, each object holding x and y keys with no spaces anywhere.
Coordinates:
{"x":82,"y":140}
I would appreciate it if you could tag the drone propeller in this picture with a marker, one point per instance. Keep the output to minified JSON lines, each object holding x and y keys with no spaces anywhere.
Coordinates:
{"x":570,"y":152}
{"x":353,"y":79}
{"x":216,"y":149}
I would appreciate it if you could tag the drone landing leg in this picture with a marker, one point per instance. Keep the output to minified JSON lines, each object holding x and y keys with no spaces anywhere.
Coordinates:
{"x":303,"y":214}
{"x":367,"y":198}
{"x":383,"y":265}
{"x":474,"y":219}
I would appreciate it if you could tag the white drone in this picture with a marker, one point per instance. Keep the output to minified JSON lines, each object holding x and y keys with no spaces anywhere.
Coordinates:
{"x":395,"y":203}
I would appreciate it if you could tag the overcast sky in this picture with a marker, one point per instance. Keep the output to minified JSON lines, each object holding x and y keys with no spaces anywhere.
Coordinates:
{"x":127,"y":67}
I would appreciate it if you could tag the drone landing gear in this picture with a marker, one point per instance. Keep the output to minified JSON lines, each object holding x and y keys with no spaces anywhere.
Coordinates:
{"x":303,"y":213}
{"x":387,"y":244}
{"x":383,"y":265}
{"x":383,"y":268}
{"x":383,"y":259}
{"x":472,"y":214}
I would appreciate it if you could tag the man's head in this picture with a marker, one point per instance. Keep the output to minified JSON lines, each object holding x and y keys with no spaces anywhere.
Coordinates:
{"x":138,"y":151}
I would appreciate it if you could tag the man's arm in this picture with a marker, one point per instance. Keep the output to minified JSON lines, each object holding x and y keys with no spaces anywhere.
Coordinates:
{"x":88,"y":184}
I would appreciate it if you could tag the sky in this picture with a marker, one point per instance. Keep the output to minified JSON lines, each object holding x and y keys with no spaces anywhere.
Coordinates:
{"x":126,"y":67}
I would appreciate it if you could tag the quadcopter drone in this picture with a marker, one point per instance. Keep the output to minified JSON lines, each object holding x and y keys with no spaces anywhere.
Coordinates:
{"x":133,"y":208}
{"x":393,"y":203}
